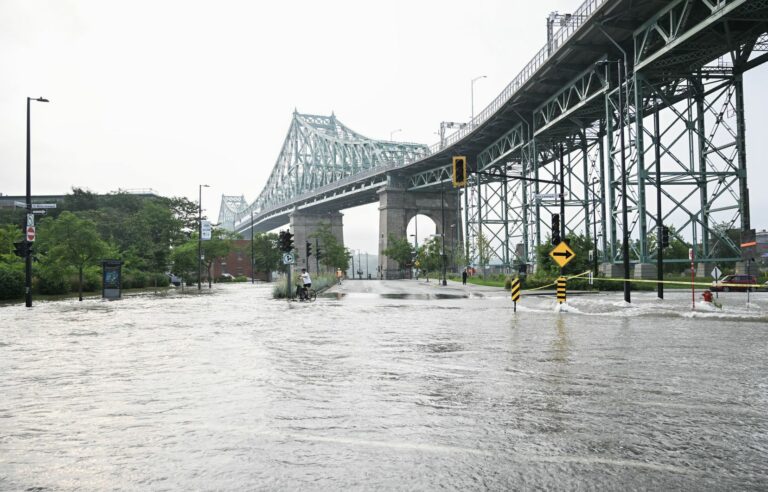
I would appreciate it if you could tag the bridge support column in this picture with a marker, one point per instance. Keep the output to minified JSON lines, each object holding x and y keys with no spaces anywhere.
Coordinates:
{"x":397,"y":207}
{"x":304,"y":225}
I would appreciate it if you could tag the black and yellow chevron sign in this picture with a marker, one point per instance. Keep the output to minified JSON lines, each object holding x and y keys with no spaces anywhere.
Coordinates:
{"x":561,"y":282}
{"x":515,"y":289}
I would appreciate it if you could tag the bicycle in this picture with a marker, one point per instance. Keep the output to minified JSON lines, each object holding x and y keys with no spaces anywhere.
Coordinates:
{"x":309,"y":294}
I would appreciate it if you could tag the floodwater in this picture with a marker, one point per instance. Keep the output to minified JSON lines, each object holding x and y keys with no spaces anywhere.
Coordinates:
{"x":384,"y":386}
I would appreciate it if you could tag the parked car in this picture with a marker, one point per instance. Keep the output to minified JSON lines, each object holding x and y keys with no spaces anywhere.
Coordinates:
{"x":174,"y":280}
{"x":735,"y":283}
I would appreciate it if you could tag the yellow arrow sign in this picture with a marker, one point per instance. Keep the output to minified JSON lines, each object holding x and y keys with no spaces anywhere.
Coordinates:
{"x":562,"y":254}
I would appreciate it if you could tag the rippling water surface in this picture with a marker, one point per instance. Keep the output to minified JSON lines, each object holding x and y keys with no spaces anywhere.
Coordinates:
{"x":231,"y":390}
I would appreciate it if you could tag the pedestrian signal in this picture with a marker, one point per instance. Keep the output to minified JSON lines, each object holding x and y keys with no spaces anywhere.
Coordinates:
{"x":459,"y":171}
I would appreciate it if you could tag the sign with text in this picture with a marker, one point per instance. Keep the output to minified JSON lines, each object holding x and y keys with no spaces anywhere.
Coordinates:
{"x":205,"y":230}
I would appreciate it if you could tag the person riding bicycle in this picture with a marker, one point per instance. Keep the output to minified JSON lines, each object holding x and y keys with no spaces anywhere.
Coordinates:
{"x":299,"y":283}
{"x":307,"y":281}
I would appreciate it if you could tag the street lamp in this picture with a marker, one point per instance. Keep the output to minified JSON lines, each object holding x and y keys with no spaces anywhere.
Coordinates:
{"x":200,"y":233}
{"x":253,"y":272}
{"x":472,"y":90}
{"x":392,"y":133}
{"x":27,"y":252}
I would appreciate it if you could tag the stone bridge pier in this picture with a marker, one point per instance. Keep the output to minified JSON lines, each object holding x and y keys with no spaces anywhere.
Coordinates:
{"x":304,"y":225}
{"x":398,"y":206}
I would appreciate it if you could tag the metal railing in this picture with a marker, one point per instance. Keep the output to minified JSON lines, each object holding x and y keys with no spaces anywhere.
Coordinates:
{"x":578,"y":19}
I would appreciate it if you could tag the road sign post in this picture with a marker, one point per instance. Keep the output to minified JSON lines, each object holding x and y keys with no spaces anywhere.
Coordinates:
{"x":515,"y":291}
{"x":561,"y":286}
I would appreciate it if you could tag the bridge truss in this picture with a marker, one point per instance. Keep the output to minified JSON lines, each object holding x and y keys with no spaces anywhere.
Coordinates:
{"x":636,"y":107}
{"x":319,"y":152}
{"x":679,"y":126}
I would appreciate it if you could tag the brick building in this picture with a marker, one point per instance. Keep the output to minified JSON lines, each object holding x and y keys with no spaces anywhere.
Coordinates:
{"x":238,"y":263}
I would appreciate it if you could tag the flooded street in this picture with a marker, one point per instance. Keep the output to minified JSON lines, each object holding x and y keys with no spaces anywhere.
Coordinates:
{"x":384,"y":385}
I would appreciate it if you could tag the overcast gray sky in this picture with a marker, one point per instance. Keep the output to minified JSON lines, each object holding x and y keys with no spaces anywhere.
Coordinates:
{"x":170,"y":94}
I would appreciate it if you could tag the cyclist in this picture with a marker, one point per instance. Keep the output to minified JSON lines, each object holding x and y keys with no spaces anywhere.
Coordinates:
{"x":305,"y":278}
{"x":299,"y":282}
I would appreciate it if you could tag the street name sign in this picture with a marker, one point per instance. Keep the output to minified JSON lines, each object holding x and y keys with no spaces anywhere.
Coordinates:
{"x":562,"y":254}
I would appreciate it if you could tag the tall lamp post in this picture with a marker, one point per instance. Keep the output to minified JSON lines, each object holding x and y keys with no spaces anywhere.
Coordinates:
{"x":472,"y":90}
{"x":253,"y":267}
{"x":200,"y":233}
{"x":392,"y":133}
{"x":27,"y":245}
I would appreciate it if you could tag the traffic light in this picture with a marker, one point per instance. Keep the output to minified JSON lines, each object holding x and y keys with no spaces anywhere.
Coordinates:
{"x":664,"y":236}
{"x":20,"y":249}
{"x":285,"y":238}
{"x":309,"y":249}
{"x":318,"y":253}
{"x":555,"y":229}
{"x":459,"y":171}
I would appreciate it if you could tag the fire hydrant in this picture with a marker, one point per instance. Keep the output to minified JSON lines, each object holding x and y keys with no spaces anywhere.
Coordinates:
{"x":707,"y":295}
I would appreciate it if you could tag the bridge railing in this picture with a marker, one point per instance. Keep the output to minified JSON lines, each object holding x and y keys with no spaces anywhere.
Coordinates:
{"x":577,"y":19}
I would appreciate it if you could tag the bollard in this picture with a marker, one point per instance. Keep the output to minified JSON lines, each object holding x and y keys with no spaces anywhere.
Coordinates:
{"x":515,"y":290}
{"x":561,"y":283}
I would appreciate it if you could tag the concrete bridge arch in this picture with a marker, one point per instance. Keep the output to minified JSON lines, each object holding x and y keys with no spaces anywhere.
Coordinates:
{"x":397,"y":207}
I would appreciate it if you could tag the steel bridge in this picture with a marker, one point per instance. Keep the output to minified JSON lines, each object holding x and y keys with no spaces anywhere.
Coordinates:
{"x":637,"y":108}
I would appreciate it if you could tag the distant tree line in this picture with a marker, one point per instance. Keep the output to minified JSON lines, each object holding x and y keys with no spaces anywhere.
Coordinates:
{"x":153,"y":236}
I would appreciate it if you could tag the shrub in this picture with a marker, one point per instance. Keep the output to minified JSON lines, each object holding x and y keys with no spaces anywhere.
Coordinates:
{"x":11,"y":282}
{"x":241,"y":278}
{"x":53,"y":279}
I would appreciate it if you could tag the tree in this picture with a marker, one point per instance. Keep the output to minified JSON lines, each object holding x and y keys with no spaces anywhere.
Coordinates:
{"x":429,"y":257}
{"x":266,"y":254}
{"x":216,"y":248}
{"x":484,"y":250}
{"x":184,"y":259}
{"x":399,"y":249}
{"x":334,"y":254}
{"x":72,"y":241}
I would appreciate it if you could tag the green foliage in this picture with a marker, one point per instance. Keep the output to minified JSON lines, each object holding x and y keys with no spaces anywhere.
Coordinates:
{"x":52,"y":278}
{"x":71,"y":242}
{"x":580,"y":244}
{"x":484,"y":250}
{"x":400,"y":250}
{"x":184,"y":259}
{"x":334,"y":255}
{"x":11,"y":281}
{"x":142,"y":231}
{"x":428,"y":256}
{"x":267,"y":257}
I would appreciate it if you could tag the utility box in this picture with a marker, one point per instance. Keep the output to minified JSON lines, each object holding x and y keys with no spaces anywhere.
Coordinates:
{"x":111,"y":279}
